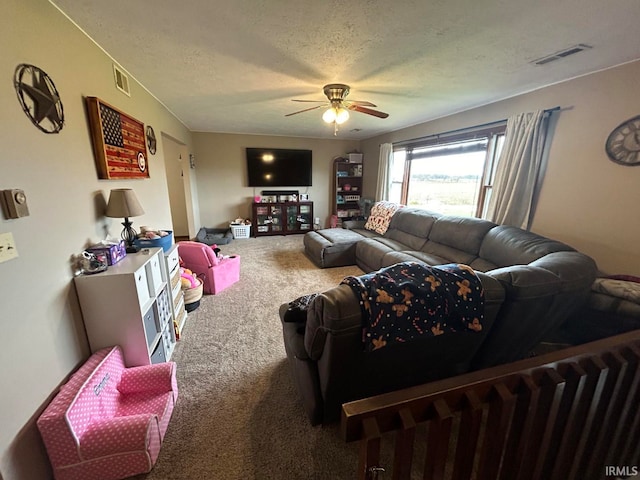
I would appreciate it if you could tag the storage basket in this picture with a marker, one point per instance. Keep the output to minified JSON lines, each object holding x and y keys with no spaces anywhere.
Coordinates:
{"x":241,"y":231}
{"x":164,"y":242}
{"x":192,"y":295}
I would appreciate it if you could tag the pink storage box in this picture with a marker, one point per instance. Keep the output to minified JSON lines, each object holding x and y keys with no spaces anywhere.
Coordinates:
{"x":216,"y":273}
{"x":108,"y":422}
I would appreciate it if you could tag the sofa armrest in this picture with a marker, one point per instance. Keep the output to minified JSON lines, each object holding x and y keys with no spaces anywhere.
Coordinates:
{"x":293,"y":333}
{"x":555,"y":273}
{"x":526,"y":282}
{"x":335,"y":311}
{"x":156,"y":378}
{"x":118,"y":435}
{"x":576,"y":271}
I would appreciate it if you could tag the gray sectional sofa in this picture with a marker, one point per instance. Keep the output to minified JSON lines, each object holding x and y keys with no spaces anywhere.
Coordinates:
{"x":532,"y":284}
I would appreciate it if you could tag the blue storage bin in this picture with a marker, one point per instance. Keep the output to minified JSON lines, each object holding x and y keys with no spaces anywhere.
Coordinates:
{"x":164,"y":242}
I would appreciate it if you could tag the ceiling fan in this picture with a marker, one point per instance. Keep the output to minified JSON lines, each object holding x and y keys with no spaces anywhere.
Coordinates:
{"x":339,"y":107}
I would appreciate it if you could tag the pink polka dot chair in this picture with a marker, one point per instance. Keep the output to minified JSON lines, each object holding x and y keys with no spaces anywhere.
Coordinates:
{"x":108,"y":422}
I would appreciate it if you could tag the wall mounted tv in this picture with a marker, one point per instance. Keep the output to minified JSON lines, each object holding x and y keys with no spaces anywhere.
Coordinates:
{"x":278,"y":167}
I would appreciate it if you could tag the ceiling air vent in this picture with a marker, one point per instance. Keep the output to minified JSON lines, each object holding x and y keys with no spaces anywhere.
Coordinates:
{"x":122,"y":80}
{"x":562,"y":54}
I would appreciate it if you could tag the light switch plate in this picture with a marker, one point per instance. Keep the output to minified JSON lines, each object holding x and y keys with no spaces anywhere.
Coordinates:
{"x":14,"y":203}
{"x":8,"y":248}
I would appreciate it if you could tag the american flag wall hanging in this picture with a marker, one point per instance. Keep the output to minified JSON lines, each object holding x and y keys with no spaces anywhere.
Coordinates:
{"x":118,"y":142}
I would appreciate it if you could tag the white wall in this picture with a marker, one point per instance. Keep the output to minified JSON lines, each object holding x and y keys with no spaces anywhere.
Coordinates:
{"x":43,"y":334}
{"x":586,"y":200}
{"x":222,"y":174}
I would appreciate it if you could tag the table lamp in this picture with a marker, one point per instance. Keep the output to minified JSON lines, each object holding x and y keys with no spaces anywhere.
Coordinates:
{"x":123,"y":203}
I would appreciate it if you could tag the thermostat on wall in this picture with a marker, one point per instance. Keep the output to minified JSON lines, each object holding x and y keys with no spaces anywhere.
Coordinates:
{"x":14,"y":204}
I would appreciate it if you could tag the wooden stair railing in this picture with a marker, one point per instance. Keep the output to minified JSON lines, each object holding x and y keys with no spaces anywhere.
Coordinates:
{"x":570,"y":414}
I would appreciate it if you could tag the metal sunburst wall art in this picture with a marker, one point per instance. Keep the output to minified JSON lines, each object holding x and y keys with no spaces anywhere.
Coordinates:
{"x":39,"y":98}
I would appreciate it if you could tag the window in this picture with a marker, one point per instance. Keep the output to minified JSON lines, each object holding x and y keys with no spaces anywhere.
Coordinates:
{"x":450,"y":174}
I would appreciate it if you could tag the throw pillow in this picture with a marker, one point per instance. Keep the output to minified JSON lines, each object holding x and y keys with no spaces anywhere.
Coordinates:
{"x":380,"y":216}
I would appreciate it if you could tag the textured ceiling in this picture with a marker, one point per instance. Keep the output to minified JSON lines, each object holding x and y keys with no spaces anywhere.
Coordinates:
{"x":234,"y":66}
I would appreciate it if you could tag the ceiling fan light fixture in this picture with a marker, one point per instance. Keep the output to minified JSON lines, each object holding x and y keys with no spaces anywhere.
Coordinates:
{"x":338,"y":110}
{"x":342,"y":115}
{"x":338,"y":115}
{"x":329,"y":115}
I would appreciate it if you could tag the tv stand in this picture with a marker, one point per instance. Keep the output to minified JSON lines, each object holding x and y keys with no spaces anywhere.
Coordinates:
{"x":281,"y":218}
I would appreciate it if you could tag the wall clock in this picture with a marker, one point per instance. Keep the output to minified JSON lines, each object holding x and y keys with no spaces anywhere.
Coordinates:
{"x":151,"y":140}
{"x":39,"y":98}
{"x":623,"y":144}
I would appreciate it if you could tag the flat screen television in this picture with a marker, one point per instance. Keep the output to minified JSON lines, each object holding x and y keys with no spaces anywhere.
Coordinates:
{"x":278,"y":167}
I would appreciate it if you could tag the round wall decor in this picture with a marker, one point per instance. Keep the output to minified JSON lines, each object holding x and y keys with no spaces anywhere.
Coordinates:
{"x":142,"y":162}
{"x":39,"y":98}
{"x":623,"y":144}
{"x":151,"y":140}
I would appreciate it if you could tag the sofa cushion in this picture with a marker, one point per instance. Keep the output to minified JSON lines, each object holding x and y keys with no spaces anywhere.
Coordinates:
{"x":449,"y":254}
{"x":482,"y":265}
{"x":99,"y":397}
{"x":373,"y":250}
{"x":461,"y":233}
{"x":412,"y":256}
{"x":332,"y":247}
{"x":380,"y":216}
{"x":411,"y":227}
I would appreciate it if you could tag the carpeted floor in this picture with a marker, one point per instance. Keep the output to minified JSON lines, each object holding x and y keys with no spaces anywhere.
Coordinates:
{"x":238,"y":415}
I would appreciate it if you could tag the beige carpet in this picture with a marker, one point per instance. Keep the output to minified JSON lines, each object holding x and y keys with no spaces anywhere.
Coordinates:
{"x":238,"y":414}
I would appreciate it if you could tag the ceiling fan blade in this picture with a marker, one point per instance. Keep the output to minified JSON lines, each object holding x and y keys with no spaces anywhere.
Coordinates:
{"x":368,"y":111}
{"x":361,"y":103}
{"x":305,"y":110}
{"x":309,"y":101}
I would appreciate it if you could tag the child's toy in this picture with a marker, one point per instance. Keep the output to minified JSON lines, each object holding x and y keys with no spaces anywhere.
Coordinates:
{"x":146,"y":232}
{"x":187,"y":278}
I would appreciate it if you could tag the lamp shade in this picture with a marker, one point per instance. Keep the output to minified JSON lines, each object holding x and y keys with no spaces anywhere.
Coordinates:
{"x":123,"y":203}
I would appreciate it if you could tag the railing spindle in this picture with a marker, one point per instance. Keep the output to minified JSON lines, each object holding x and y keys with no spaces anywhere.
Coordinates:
{"x":402,"y":458}
{"x":369,"y":448}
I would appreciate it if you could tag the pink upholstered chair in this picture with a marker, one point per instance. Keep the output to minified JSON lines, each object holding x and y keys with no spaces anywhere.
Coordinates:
{"x":218,"y":274}
{"x":108,"y":422}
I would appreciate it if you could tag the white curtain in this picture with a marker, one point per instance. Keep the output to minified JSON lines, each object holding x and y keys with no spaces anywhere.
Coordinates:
{"x":519,"y":171}
{"x":384,"y":172}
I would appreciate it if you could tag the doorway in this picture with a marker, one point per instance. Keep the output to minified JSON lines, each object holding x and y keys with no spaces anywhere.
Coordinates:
{"x":176,"y":161}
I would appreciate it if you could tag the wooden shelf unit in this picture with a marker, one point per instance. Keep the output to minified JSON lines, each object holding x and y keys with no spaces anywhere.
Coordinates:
{"x":347,"y":189}
{"x":130,"y":305}
{"x":281,"y":218}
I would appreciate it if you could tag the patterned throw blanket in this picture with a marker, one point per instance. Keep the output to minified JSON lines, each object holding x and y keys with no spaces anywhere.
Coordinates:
{"x":409,"y":300}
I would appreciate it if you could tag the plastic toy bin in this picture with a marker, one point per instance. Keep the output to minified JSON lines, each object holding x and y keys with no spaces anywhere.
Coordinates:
{"x":164,"y":242}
